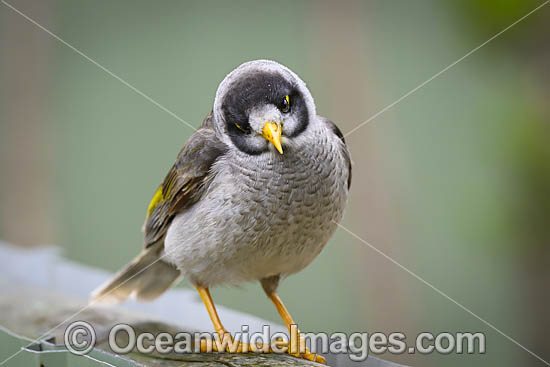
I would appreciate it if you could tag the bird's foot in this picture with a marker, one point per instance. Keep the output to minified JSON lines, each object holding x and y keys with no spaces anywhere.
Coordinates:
{"x":300,"y":350}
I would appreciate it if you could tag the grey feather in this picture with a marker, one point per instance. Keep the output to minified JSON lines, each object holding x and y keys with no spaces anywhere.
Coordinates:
{"x":264,"y":215}
{"x":186,"y":181}
{"x":145,"y":278}
{"x":227,"y":214}
{"x":344,"y":149}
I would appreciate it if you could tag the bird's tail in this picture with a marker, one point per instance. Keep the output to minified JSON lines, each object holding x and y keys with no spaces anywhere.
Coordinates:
{"x":145,"y":278}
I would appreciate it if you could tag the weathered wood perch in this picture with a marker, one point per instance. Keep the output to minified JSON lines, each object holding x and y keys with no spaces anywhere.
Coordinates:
{"x":42,"y":292}
{"x":55,"y":311}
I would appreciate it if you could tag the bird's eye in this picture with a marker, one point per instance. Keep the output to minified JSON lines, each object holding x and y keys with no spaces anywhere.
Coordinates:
{"x":244,"y":130}
{"x":285,"y":107}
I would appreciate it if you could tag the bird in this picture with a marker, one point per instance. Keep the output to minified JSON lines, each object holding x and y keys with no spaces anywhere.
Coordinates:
{"x":254,"y":195}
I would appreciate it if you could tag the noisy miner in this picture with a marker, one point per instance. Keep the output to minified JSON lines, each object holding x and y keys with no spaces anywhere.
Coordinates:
{"x":255,"y":194}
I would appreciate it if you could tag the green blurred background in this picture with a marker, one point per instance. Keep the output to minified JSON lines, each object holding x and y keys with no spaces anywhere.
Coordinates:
{"x":453,"y":182}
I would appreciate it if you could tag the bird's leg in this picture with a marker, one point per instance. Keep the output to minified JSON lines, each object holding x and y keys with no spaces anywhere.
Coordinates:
{"x":224,"y":341}
{"x":211,"y":308}
{"x":302,"y":351}
{"x":270,"y":286}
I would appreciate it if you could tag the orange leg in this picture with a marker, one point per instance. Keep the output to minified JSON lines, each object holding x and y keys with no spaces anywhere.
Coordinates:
{"x":285,"y":315}
{"x":211,"y":308}
{"x":225,"y":341}
{"x":289,"y":322}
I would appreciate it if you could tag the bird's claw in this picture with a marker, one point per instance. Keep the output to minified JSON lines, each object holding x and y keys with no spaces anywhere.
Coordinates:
{"x":304,"y":354}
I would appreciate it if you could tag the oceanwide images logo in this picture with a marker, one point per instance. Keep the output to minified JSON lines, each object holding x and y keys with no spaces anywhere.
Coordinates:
{"x":80,"y":338}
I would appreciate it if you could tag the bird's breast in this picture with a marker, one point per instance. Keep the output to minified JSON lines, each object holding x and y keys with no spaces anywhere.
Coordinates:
{"x":290,"y":202}
{"x":261,"y":217}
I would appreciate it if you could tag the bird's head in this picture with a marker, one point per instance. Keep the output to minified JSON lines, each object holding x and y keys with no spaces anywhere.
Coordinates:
{"x":261,"y":106}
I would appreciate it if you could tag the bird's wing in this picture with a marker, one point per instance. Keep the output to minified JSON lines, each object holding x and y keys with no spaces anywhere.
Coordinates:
{"x":332,"y":127}
{"x":185,"y":183}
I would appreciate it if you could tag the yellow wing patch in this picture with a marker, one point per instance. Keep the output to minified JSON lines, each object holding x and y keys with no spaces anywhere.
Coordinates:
{"x":157,"y":198}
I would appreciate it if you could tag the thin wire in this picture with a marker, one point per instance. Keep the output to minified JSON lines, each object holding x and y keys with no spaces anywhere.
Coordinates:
{"x":441,"y":72}
{"x":165,"y":254}
{"x":444,"y":294}
{"x":100,"y":66}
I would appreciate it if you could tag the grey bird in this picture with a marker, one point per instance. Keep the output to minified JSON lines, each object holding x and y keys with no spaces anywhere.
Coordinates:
{"x":254,"y":195}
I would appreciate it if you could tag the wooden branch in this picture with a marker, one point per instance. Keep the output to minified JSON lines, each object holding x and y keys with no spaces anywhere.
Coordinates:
{"x":27,"y":312}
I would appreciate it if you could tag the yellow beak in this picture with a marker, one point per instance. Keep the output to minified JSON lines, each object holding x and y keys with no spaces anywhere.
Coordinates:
{"x":272,"y":132}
